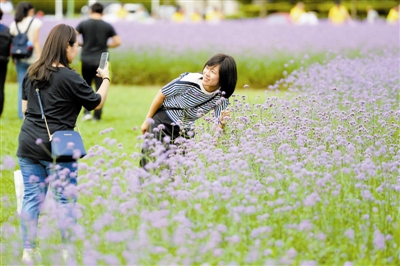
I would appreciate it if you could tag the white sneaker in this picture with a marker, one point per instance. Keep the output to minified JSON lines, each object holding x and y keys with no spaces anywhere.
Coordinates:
{"x":87,"y":117}
{"x":31,"y":255}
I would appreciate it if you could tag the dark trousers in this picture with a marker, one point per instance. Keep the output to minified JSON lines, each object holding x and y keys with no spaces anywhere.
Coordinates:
{"x":160,"y":118}
{"x":3,"y":74}
{"x":89,"y":75}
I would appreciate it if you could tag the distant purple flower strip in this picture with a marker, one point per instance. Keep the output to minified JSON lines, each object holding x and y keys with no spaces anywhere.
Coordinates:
{"x":251,"y":36}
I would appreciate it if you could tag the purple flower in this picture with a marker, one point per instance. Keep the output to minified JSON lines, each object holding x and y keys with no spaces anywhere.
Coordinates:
{"x":166,"y":139}
{"x":9,"y":163}
{"x":311,"y":199}
{"x":305,"y":225}
{"x":349,"y":233}
{"x":218,"y":252}
{"x":309,"y":263}
{"x":70,"y":145}
{"x":233,"y":239}
{"x":379,"y":240}
{"x":39,"y":141}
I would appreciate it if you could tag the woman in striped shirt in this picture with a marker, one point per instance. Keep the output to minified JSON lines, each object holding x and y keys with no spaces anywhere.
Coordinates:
{"x":181,"y":102}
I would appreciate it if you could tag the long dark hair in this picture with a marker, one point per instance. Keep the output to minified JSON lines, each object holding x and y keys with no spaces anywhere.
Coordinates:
{"x":21,"y":11}
{"x":227,"y":72}
{"x":54,"y":52}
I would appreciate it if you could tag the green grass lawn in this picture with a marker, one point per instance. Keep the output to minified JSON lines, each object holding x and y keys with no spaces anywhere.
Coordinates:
{"x":124,"y":111}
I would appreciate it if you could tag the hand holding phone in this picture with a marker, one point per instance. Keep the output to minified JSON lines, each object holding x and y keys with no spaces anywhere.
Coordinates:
{"x":103,"y":60}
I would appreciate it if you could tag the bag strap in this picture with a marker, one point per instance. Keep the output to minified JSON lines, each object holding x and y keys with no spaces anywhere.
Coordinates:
{"x":44,"y":117}
{"x":16,"y":24}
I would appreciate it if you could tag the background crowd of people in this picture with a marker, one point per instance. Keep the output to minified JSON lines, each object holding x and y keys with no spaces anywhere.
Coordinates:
{"x":339,"y":14}
{"x":302,"y":12}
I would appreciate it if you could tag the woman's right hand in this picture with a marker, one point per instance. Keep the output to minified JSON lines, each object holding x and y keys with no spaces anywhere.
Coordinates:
{"x":145,"y":127}
{"x":103,"y":73}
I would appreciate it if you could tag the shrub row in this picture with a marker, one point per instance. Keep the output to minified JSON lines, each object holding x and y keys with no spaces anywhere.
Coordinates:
{"x":159,"y":67}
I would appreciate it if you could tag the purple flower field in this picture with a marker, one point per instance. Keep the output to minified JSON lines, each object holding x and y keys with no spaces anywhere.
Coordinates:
{"x":310,"y":178}
{"x":245,"y":36}
{"x":158,"y":52}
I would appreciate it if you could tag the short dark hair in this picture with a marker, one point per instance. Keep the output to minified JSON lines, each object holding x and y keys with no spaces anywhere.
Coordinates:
{"x":1,"y":14}
{"x":97,"y":8}
{"x":21,"y":11}
{"x":54,"y":51}
{"x":227,"y":72}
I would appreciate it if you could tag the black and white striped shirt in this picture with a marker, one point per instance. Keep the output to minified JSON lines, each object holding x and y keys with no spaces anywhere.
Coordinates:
{"x":186,"y":100}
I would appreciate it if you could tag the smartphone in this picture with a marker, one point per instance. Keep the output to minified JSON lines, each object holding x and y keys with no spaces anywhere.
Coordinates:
{"x":103,"y":60}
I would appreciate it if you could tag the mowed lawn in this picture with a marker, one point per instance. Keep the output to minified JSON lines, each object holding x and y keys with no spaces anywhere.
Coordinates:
{"x":124,"y":112}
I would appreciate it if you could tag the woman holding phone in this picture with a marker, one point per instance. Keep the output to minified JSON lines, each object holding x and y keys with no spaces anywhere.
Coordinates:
{"x":63,"y":93}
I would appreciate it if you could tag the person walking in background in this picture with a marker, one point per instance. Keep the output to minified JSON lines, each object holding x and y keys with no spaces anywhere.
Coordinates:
{"x":95,"y":34}
{"x":338,"y":14}
{"x":184,"y":100}
{"x":24,"y":18}
{"x":393,"y":15}
{"x":5,"y":44}
{"x":63,"y":93}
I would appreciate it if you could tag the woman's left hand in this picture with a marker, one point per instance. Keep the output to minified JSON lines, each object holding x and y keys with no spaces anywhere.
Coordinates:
{"x":145,"y":127}
{"x":224,"y":117}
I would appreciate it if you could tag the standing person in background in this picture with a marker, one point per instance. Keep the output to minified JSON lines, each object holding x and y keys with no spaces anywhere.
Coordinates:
{"x":5,"y":44}
{"x":24,"y":15}
{"x":338,"y":14}
{"x":393,"y":15}
{"x":63,"y":93}
{"x":299,"y":16}
{"x":122,"y":13}
{"x":6,"y":6}
{"x":95,"y":34}
{"x":372,"y":14}
{"x":179,"y":15}
{"x":296,"y":12}
{"x":196,"y":16}
{"x":213,"y":15}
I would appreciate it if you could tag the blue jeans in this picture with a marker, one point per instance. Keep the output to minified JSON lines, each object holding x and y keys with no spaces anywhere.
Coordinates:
{"x":37,"y":176}
{"x":22,"y":68}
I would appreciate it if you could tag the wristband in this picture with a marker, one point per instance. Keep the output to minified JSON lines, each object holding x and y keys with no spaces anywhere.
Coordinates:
{"x":107,"y":78}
